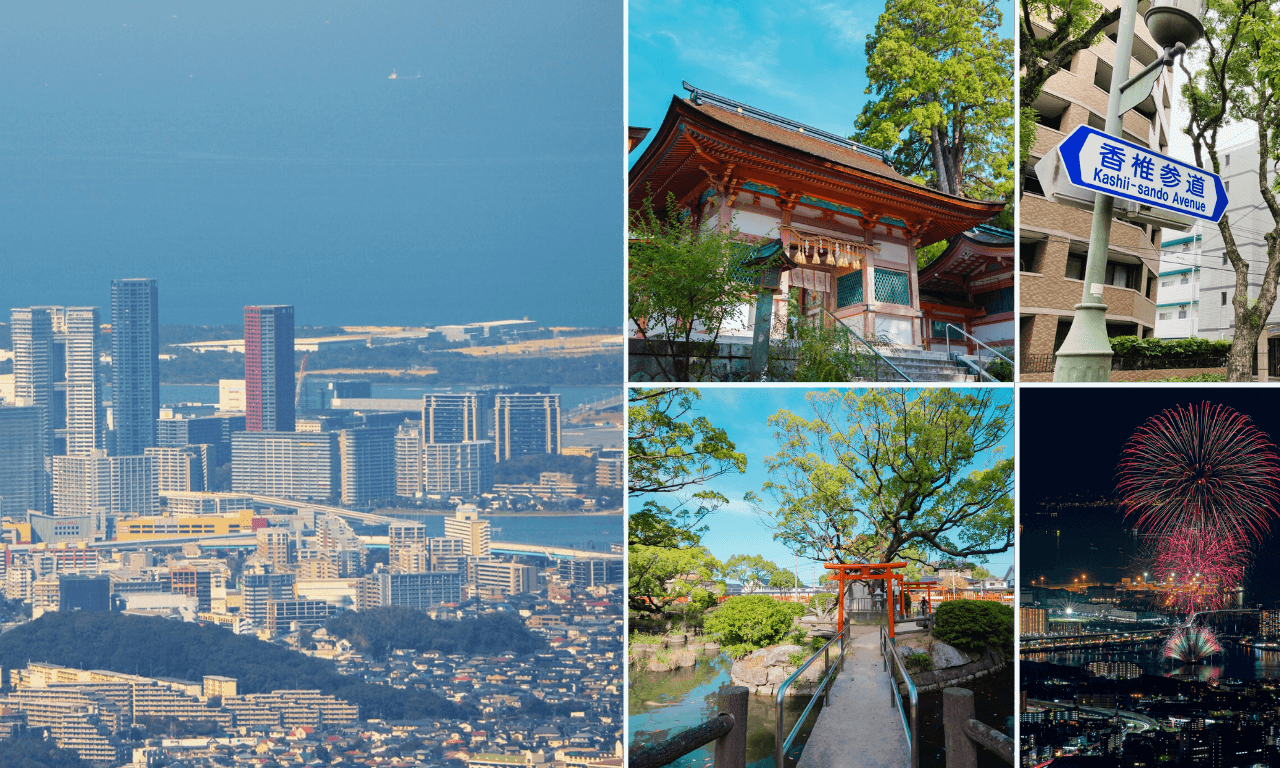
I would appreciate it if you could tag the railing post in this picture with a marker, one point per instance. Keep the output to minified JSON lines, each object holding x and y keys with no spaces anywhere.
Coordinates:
{"x":731,"y":748}
{"x":957,"y":707}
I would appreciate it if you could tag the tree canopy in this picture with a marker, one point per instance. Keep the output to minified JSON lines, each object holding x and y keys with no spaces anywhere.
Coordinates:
{"x":942,"y":77}
{"x":659,"y":577}
{"x":892,"y":473}
{"x":1237,"y":78}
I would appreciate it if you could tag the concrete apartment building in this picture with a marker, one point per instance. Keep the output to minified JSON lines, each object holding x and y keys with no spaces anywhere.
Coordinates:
{"x":1178,"y":310}
{"x":1054,"y":239}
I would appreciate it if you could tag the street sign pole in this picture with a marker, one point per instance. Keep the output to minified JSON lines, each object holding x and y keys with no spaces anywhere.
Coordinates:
{"x":1085,"y":354}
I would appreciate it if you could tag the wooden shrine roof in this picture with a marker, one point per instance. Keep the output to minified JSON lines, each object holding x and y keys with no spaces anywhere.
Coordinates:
{"x":968,"y":255}
{"x":703,"y":145}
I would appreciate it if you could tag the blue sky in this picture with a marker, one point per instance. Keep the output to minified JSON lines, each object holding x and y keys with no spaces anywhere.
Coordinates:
{"x":247,"y":153}
{"x":804,"y":60}
{"x":743,"y":412}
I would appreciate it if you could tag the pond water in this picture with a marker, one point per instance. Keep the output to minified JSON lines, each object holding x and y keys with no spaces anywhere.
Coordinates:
{"x":661,"y":704}
{"x":993,"y":699}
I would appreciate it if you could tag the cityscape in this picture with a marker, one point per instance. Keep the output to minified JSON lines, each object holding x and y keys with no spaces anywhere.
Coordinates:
{"x":1149,"y":623}
{"x":293,"y":501}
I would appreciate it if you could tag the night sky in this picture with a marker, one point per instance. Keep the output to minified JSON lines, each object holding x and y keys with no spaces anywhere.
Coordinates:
{"x":1085,"y":429}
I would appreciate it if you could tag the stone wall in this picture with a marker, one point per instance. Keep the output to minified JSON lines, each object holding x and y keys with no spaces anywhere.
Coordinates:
{"x":732,"y":361}
{"x":985,"y":664}
{"x":1153,"y":375}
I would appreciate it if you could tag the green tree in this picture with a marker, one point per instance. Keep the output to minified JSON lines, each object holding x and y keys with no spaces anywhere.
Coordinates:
{"x":1240,"y":81}
{"x":683,"y":282}
{"x":942,"y":77}
{"x":1050,"y":34}
{"x":743,"y":624}
{"x":892,"y":473}
{"x":669,"y":449}
{"x":751,"y":571}
{"x":784,"y":579}
{"x":658,"y":577}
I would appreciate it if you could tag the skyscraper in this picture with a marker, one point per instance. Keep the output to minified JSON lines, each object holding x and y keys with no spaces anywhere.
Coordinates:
{"x":135,"y":364}
{"x":32,"y":331}
{"x":451,"y":418}
{"x":268,"y":368}
{"x":526,"y":424}
{"x":86,"y":422}
{"x":23,"y":482}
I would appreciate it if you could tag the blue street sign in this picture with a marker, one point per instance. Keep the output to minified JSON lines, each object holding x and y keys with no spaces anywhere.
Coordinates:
{"x":1093,"y":160}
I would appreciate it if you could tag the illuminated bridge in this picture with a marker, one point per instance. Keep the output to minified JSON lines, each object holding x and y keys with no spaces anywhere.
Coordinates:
{"x":1098,"y":640}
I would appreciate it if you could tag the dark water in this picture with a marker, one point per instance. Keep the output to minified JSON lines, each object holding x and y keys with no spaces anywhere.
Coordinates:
{"x":589,"y":532}
{"x":1235,"y":662}
{"x":661,"y":704}
{"x":993,"y":699}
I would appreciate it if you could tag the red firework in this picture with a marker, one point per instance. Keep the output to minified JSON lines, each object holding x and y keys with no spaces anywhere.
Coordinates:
{"x":1200,"y":468}
{"x":1200,"y":569}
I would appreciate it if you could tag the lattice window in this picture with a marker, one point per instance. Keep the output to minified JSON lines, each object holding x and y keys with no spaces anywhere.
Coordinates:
{"x":849,"y":289}
{"x":892,"y":287}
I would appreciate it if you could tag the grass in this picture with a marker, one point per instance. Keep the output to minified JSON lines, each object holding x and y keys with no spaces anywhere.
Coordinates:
{"x":639,"y":639}
{"x":918,"y":661}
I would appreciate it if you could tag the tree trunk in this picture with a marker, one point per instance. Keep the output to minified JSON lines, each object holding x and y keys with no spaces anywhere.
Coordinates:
{"x":1243,"y":351}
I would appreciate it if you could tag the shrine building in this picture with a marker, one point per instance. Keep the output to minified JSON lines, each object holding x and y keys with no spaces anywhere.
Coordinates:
{"x":970,"y":286}
{"x":845,"y":222}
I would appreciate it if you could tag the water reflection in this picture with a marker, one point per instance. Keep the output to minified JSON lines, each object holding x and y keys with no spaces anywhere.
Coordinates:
{"x":661,"y":704}
{"x":1236,"y":662}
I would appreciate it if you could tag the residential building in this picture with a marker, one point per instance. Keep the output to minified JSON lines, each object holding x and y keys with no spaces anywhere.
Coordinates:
{"x":83,"y":424}
{"x":1054,"y":238}
{"x":193,"y":581}
{"x":409,"y":452}
{"x":590,"y":571}
{"x":1269,"y":624}
{"x":178,"y":430}
{"x":451,"y":418}
{"x":507,"y":578}
{"x":275,"y":545}
{"x":31,"y":329}
{"x":269,"y":368}
{"x":1178,"y":311}
{"x":231,"y":396}
{"x":414,"y":590}
{"x":103,"y":485}
{"x":609,"y":472}
{"x":368,"y":456}
{"x":260,"y":590}
{"x":135,"y":364}
{"x":526,"y":424}
{"x":24,"y":484}
{"x":288,"y":615}
{"x":458,"y":468}
{"x":181,"y":469}
{"x":84,"y":593}
{"x":467,"y":526}
{"x":291,"y":465}
{"x":1033,"y":621}
{"x":401,"y":535}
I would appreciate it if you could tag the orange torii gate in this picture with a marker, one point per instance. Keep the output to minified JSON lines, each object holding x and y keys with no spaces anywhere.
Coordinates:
{"x":927,"y":586}
{"x":846,"y":572}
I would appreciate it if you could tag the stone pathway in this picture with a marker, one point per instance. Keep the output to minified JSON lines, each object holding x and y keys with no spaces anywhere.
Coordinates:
{"x":860,"y":728}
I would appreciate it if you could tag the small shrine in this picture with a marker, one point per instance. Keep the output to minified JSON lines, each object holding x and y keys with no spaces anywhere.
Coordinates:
{"x":970,"y":286}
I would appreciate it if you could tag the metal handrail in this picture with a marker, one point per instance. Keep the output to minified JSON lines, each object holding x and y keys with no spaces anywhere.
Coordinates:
{"x":979,"y":343}
{"x":868,"y":345}
{"x":911,"y":725}
{"x":781,"y":745}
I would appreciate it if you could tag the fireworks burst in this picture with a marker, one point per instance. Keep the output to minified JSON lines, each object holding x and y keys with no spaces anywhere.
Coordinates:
{"x":1191,"y":644}
{"x":1200,"y":468}
{"x":1200,"y":569}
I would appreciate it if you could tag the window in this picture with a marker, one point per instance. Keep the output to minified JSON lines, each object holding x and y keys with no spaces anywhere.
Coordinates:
{"x":1030,"y":257}
{"x":1164,"y":316}
{"x":938,"y":330}
{"x":1075,"y":267}
{"x":1227,"y":184}
{"x":1166,"y":283}
{"x":1224,"y":298}
{"x":1122,"y":275}
{"x":1228,"y":159}
{"x":1185,"y":279}
{"x":1224,"y":259}
{"x":892,"y":286}
{"x":1182,"y":314}
{"x":996,"y":302}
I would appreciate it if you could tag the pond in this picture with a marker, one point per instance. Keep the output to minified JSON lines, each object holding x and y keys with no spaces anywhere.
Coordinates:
{"x":661,"y":704}
{"x":993,"y":699}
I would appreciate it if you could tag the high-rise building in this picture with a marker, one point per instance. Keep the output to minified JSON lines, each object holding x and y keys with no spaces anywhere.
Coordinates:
{"x":193,"y":581}
{"x":291,"y":465}
{"x":33,"y":364}
{"x":413,"y":590}
{"x":449,"y":418}
{"x":216,"y":431}
{"x":474,"y":532}
{"x":24,"y":484}
{"x":1033,"y":621}
{"x":85,"y":419}
{"x":368,"y":464}
{"x":103,"y":485}
{"x":181,"y":468}
{"x":458,"y":468}
{"x":260,"y":589}
{"x":1178,"y":314}
{"x":275,"y":545}
{"x":1269,"y":624}
{"x":526,"y":424}
{"x":609,"y":473}
{"x":507,"y":578}
{"x":1054,"y":238}
{"x":409,"y":461}
{"x":84,"y":593}
{"x":135,"y":364}
{"x":268,"y":368}
{"x":402,"y":535}
{"x":590,"y":571}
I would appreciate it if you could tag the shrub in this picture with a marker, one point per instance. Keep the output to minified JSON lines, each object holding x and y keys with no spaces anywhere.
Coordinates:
{"x":918,"y":661}
{"x":1000,"y":370}
{"x":743,"y":624}
{"x":973,"y":625}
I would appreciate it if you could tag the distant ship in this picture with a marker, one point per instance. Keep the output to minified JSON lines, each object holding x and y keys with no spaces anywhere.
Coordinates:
{"x":394,"y":76}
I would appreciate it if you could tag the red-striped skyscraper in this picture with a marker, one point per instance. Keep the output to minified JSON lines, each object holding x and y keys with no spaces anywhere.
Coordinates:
{"x":268,"y":368}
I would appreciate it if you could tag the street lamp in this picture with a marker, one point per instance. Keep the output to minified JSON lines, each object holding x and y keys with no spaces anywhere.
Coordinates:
{"x":1085,"y":355}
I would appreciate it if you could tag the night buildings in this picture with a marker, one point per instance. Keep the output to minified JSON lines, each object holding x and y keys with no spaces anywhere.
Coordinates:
{"x":135,"y":364}
{"x":268,"y":368}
